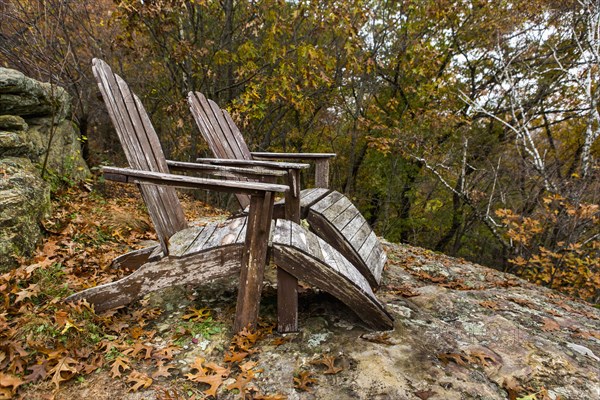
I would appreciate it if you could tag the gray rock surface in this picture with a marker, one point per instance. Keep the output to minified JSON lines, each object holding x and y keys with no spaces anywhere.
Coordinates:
{"x":21,"y":95}
{"x":462,"y":331}
{"x":34,"y":122}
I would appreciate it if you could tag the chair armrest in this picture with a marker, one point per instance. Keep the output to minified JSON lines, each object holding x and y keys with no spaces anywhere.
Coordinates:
{"x":292,"y":156}
{"x":321,"y":161}
{"x":224,"y":170}
{"x":127,"y":175}
{"x":255,"y":163}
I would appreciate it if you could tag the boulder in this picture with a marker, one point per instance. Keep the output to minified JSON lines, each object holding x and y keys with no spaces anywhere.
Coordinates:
{"x":24,"y":201}
{"x":35,"y":129}
{"x":21,"y":95}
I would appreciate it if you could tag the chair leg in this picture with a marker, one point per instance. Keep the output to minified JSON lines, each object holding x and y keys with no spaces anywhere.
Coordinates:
{"x":287,"y":302}
{"x":253,"y":261}
{"x":287,"y":284}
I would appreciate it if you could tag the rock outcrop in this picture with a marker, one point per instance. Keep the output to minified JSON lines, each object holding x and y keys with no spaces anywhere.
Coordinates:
{"x":462,"y":331}
{"x":34,"y":125}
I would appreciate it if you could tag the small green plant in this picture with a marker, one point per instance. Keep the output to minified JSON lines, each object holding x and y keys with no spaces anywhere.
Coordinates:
{"x":206,"y":329}
{"x":51,"y":281}
{"x":39,"y":329}
{"x":112,"y":354}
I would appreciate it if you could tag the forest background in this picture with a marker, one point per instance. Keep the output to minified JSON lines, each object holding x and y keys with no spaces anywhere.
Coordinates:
{"x":469,"y":127}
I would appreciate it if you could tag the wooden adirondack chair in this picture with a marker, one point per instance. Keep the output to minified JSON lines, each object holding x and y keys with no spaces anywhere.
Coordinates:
{"x":239,"y":245}
{"x":329,"y":213}
{"x":197,"y":254}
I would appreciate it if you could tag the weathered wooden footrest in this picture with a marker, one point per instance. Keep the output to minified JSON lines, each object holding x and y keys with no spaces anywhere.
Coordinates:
{"x":310,"y":259}
{"x":333,"y":217}
{"x":198,"y":255}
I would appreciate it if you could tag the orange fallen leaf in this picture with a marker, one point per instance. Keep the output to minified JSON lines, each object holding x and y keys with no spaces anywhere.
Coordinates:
{"x":457,"y":358}
{"x":489,"y":304}
{"x":234,"y":357}
{"x":240,"y":384}
{"x":513,"y":388}
{"x":197,"y":314}
{"x":280,"y":340}
{"x":481,"y":358}
{"x":10,"y":382}
{"x":163,"y":370}
{"x":378,"y":337}
{"x":140,"y":379}
{"x":303,"y":380}
{"x":217,"y":369}
{"x":215,"y":381}
{"x":118,"y":366}
{"x":550,"y":325}
{"x":329,"y":362}
{"x":64,"y":370}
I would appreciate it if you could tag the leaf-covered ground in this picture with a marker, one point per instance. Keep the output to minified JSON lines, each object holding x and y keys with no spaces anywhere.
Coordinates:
{"x":177,"y":344}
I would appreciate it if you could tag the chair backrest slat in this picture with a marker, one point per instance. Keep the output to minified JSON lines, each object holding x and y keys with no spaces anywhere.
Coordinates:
{"x":142,"y":150}
{"x":238,"y":148}
{"x":220,"y":132}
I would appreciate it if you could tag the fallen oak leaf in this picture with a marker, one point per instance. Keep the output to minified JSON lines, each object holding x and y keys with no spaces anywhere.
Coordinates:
{"x":96,"y":362}
{"x":240,"y":384}
{"x":197,"y":315}
{"x":166,"y":353}
{"x":553,"y":312}
{"x":10,"y":381}
{"x":136,"y":332}
{"x":586,"y":334}
{"x":139,"y":347}
{"x":38,"y":372}
{"x":489,"y":304}
{"x":197,"y":365}
{"x":218,"y":370}
{"x":404,"y":291}
{"x":215,"y":381}
{"x":249,"y":335}
{"x":378,"y":337}
{"x":329,"y":362}
{"x":141,"y":380}
{"x":82,"y":353}
{"x":170,"y":394}
{"x":249,"y":366}
{"x":280,"y":340}
{"x":303,"y":379}
{"x":234,"y":356}
{"x":244,"y":340}
{"x":120,"y":363}
{"x":5,"y":394}
{"x":27,"y":293}
{"x":118,"y":325}
{"x":457,"y":358}
{"x":265,"y":328}
{"x":513,"y":388}
{"x":163,"y":370}
{"x":65,"y":366}
{"x":69,"y":325}
{"x":18,"y":365}
{"x":550,"y":325}
{"x":522,"y":302}
{"x":481,"y":358}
